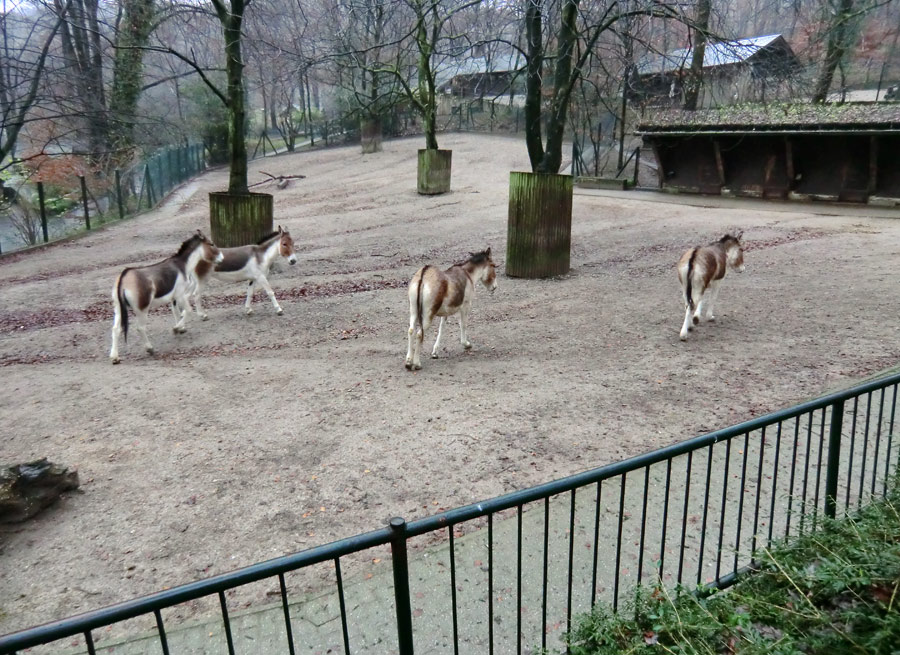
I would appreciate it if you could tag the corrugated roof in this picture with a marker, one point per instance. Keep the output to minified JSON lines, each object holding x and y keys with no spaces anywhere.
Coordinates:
{"x":720,"y":53}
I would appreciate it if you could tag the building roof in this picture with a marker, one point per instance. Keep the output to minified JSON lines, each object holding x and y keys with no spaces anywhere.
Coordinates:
{"x":774,"y":118}
{"x":502,"y":62}
{"x":720,"y":53}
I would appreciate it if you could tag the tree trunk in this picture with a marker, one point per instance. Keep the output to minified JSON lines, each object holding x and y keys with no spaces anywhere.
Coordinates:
{"x":838,"y":35}
{"x":239,"y":219}
{"x":370,"y":135}
{"x":434,"y":171}
{"x":234,"y":69}
{"x":539,"y":232}
{"x":26,"y":489}
{"x":128,"y":71}
{"x":695,"y":74}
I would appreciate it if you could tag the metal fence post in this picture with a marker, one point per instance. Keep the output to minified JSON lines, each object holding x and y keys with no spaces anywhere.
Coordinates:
{"x":119,"y":194}
{"x":834,"y":459}
{"x":84,"y":201}
{"x":637,"y":165}
{"x":401,"y":586}
{"x":43,"y":208}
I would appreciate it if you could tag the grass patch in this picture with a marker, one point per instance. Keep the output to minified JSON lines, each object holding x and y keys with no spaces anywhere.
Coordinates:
{"x":834,"y":591}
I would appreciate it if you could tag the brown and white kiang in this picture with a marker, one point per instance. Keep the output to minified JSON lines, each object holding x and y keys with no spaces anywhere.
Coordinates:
{"x":143,"y":287}
{"x":249,"y":264}
{"x":700,"y":271}
{"x":433,"y":292}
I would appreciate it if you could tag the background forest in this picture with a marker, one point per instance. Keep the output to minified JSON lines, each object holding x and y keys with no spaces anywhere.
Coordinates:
{"x":90,"y":86}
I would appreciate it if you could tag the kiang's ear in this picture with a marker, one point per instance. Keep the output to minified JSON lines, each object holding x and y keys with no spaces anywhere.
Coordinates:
{"x":739,"y":235}
{"x":488,"y":252}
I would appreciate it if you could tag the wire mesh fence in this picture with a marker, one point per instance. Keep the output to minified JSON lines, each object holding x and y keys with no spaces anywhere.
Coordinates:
{"x":40,"y":216}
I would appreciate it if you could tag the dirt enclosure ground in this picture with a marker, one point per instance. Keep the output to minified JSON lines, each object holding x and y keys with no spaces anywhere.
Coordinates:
{"x":253,"y":436}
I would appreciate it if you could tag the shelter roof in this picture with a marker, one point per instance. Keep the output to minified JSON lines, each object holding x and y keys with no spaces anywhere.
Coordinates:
{"x":777,"y":118}
{"x":719,"y":53}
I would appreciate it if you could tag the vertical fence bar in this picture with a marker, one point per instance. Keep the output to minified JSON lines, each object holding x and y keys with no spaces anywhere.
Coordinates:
{"x":834,"y":458}
{"x":490,"y":584}
{"x":684,"y":514}
{"x":343,"y":604}
{"x":619,"y":544}
{"x":545,"y":578}
{"x":519,"y":581}
{"x":806,"y":471}
{"x":400,"y":561}
{"x":790,"y":508}
{"x":665,"y":521}
{"x":640,"y":571}
{"x":887,"y":461}
{"x":596,"y":544}
{"x":759,"y":484}
{"x":740,"y":517}
{"x":161,"y":630}
{"x":774,"y":484}
{"x":119,"y":194}
{"x":453,"y":592}
{"x":89,"y":640}
{"x":877,"y":441}
{"x":84,"y":201}
{"x":709,"y":458}
{"x":229,"y":638}
{"x":287,"y":614}
{"x":42,"y":205}
{"x":850,"y":456}
{"x":722,"y":513}
{"x":637,"y":166}
{"x":865,"y":452}
{"x":571,"y":563}
{"x":819,"y":469}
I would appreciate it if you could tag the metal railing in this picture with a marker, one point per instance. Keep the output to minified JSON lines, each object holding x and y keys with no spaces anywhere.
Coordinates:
{"x":693,"y":513}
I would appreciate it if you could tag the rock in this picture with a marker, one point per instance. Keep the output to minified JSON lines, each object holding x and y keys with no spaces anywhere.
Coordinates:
{"x":26,"y":489}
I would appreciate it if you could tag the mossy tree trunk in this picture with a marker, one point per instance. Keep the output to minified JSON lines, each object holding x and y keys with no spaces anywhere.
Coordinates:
{"x":540,"y":225}
{"x":239,"y":219}
{"x":232,"y":18}
{"x":434,"y":171}
{"x":370,"y":135}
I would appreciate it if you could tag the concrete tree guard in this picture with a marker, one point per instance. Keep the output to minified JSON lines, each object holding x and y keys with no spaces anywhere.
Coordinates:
{"x":238,"y":219}
{"x":434,"y":171}
{"x":539,"y":235}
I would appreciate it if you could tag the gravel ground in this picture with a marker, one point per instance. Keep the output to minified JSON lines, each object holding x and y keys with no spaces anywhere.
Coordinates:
{"x":254,"y":436}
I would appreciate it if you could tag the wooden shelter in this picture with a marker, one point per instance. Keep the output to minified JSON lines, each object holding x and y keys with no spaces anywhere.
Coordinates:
{"x":829,"y":152}
{"x":754,"y":69}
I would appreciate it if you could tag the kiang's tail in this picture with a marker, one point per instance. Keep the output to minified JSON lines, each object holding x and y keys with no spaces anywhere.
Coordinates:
{"x":689,"y":284}
{"x":123,"y":305}
{"x":419,"y":307}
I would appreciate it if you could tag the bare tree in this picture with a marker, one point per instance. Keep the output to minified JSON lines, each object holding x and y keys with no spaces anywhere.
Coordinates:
{"x":24,"y":50}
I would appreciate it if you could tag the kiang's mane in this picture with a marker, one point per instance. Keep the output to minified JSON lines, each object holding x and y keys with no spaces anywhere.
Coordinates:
{"x":268,"y":237}
{"x":189,"y":245}
{"x":476,"y":258}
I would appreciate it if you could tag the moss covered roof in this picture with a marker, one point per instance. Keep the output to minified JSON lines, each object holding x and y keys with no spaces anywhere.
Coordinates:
{"x":805,"y":117}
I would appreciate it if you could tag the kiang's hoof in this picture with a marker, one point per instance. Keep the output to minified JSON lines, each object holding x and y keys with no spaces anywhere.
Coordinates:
{"x":149,"y":351}
{"x":248,"y":312}
{"x":115,"y":360}
{"x":467,"y":346}
{"x":204,"y":317}
{"x":434,"y":356}
{"x":279,"y":311}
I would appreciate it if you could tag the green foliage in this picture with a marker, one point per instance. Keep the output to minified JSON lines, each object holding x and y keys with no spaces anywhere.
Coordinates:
{"x":834,"y":591}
